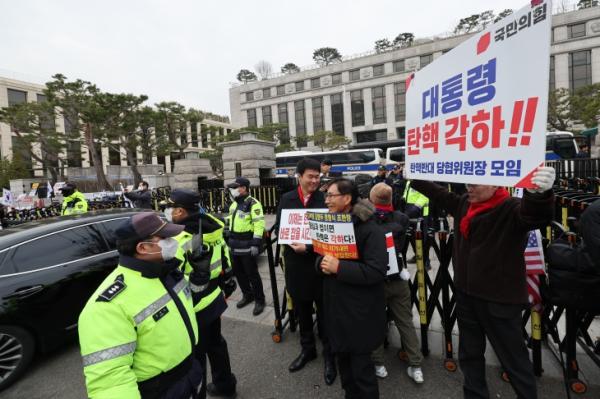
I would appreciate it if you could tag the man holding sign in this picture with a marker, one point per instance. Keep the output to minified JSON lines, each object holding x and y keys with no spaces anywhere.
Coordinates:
{"x":302,"y":281}
{"x":353,"y":296}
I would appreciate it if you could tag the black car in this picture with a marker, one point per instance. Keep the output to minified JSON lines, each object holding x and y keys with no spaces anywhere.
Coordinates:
{"x":48,"y":271}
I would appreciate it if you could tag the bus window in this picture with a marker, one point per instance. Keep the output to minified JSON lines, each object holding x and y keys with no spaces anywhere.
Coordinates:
{"x":397,"y":155}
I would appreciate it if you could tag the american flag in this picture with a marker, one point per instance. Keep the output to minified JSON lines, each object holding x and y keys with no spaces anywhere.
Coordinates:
{"x":534,"y":266}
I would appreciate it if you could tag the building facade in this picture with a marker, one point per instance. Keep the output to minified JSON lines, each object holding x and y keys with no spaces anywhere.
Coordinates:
{"x":364,"y":98}
{"x":76,"y":154}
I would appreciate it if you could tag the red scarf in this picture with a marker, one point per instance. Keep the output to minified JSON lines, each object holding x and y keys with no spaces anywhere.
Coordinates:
{"x":480,"y":207}
{"x":302,"y":198}
{"x":385,"y":208}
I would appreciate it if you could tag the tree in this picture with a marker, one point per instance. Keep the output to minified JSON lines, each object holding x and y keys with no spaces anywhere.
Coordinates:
{"x":581,"y":4}
{"x":383,"y":45}
{"x":467,"y":25}
{"x":328,"y":140}
{"x":171,"y":121}
{"x":77,"y":102}
{"x":290,"y":68}
{"x":404,"y":40}
{"x":585,"y":105}
{"x":503,"y":14}
{"x":34,"y":125}
{"x":559,"y":109}
{"x":263,"y":69}
{"x":486,"y":18}
{"x":246,"y":76}
{"x":11,"y":169}
{"x":326,"y":55}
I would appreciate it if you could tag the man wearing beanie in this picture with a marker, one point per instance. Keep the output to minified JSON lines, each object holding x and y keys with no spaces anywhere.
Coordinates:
{"x":397,"y":290}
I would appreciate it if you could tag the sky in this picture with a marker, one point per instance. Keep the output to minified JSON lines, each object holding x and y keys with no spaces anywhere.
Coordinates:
{"x":190,"y":51}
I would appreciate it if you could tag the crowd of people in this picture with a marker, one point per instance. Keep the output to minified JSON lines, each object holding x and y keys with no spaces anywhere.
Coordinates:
{"x":153,"y":326}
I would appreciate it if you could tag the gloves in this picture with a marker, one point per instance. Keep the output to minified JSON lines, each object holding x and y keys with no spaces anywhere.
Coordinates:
{"x":254,"y":250}
{"x":405,"y":274}
{"x":228,"y":284}
{"x":543,"y":178}
{"x":200,"y":275}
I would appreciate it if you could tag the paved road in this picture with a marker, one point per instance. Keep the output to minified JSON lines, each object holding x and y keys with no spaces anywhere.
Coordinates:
{"x":261,"y":369}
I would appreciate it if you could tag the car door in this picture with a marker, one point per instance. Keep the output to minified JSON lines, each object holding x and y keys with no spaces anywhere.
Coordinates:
{"x":55,"y":274}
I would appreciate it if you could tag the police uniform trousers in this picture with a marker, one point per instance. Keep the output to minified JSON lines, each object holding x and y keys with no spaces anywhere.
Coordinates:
{"x":357,"y":375}
{"x":245,"y":269}
{"x":501,"y":324}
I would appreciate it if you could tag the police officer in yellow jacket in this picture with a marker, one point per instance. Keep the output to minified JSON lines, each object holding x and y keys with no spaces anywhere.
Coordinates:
{"x":246,"y":227}
{"x":417,"y":206}
{"x":138,"y":331}
{"x":74,"y":202}
{"x":183,"y":208}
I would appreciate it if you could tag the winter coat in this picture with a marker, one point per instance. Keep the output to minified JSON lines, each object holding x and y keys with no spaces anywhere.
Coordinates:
{"x":353,"y":299}
{"x":490,"y":263}
{"x":141,"y":198}
{"x":302,"y":281}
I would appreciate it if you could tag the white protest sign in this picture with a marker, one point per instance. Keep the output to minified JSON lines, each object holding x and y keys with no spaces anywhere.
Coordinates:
{"x":293,"y":226}
{"x":478,"y":113}
{"x":333,"y":234}
{"x":392,"y":257}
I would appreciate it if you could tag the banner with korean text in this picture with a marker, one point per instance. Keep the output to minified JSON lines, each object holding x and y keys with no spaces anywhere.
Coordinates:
{"x":293,"y":226}
{"x":477,"y":114}
{"x":333,"y":234}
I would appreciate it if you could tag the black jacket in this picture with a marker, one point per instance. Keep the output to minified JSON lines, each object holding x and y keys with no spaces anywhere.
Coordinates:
{"x":353,"y":299}
{"x":301,"y":279}
{"x":585,"y":258}
{"x":141,"y":198}
{"x":490,"y":263}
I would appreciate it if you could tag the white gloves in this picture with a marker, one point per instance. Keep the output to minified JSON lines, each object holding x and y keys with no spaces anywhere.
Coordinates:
{"x":404,"y":274}
{"x":543,"y":178}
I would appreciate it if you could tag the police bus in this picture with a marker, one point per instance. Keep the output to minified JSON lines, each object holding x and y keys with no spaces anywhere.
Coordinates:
{"x":363,"y":161}
{"x":561,"y":145}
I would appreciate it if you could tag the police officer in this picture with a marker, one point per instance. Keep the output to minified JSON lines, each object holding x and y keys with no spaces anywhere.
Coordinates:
{"x":246,"y":226}
{"x":416,"y":205}
{"x":398,"y":184}
{"x":138,"y":331}
{"x":381,"y":176}
{"x":182,"y":208}
{"x":74,"y":203}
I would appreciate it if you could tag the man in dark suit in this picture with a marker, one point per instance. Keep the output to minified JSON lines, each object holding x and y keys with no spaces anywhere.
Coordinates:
{"x":303,"y":283}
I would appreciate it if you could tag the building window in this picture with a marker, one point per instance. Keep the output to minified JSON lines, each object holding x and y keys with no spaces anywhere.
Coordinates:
{"x":400,"y":101}
{"x":355,"y":75}
{"x":317,"y":113}
{"x":399,"y":66}
{"x":300,"y":86}
{"x":204,"y":135}
{"x":378,"y":94}
{"x":370,"y":136}
{"x":315,"y":83}
{"x":426,"y":60}
{"x":577,"y":30}
{"x":378,"y":70}
{"x":552,"y":74}
{"x":282,"y":111}
{"x":336,"y":78}
{"x":280,"y":90}
{"x":251,"y":117}
{"x":267,"y":118}
{"x":74,"y":153}
{"x":194,"y":130}
{"x":401,"y":133}
{"x":358,"y":108}
{"x":267,"y":93}
{"x":114,"y":156}
{"x":580,"y":69}
{"x":300,"y":123}
{"x":16,"y":97}
{"x":337,"y":114}
{"x":47,"y":121}
{"x":249,"y":96}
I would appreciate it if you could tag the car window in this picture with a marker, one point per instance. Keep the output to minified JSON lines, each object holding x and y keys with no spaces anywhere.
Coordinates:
{"x":5,"y":267}
{"x":60,"y":247}
{"x":108,"y":230}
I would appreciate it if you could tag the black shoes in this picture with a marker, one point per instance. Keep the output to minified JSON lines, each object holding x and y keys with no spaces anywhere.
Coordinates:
{"x":329,"y":370}
{"x":213,"y":390}
{"x":259,"y":306}
{"x":246,"y":300}
{"x":301,"y":360}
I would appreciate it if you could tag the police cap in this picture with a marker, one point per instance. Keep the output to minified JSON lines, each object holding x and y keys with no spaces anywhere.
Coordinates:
{"x":239,"y":181}
{"x":183,"y":198}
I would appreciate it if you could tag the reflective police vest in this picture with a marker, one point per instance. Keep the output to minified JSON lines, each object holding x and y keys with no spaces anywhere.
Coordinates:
{"x":246,"y":224}
{"x":134,"y":329}
{"x":414,"y":197}
{"x":74,"y":204}
{"x":219,"y":253}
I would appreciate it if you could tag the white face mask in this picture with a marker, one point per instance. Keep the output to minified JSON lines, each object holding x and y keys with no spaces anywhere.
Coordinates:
{"x":235,"y":192}
{"x":168,"y":248}
{"x":141,"y":188}
{"x":169,"y":214}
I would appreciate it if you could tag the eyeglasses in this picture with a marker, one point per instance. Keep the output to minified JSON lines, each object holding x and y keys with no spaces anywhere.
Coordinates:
{"x":329,"y":195}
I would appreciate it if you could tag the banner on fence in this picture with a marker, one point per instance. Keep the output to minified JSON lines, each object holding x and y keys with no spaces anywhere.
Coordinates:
{"x":333,"y":234}
{"x":293,"y":226}
{"x":478,"y":113}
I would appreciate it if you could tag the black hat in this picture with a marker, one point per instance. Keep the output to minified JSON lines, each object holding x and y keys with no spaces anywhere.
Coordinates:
{"x":396,"y":166}
{"x":327,"y":162}
{"x":183,"y":198}
{"x":381,"y":167}
{"x":239,"y":181}
{"x":146,"y":224}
